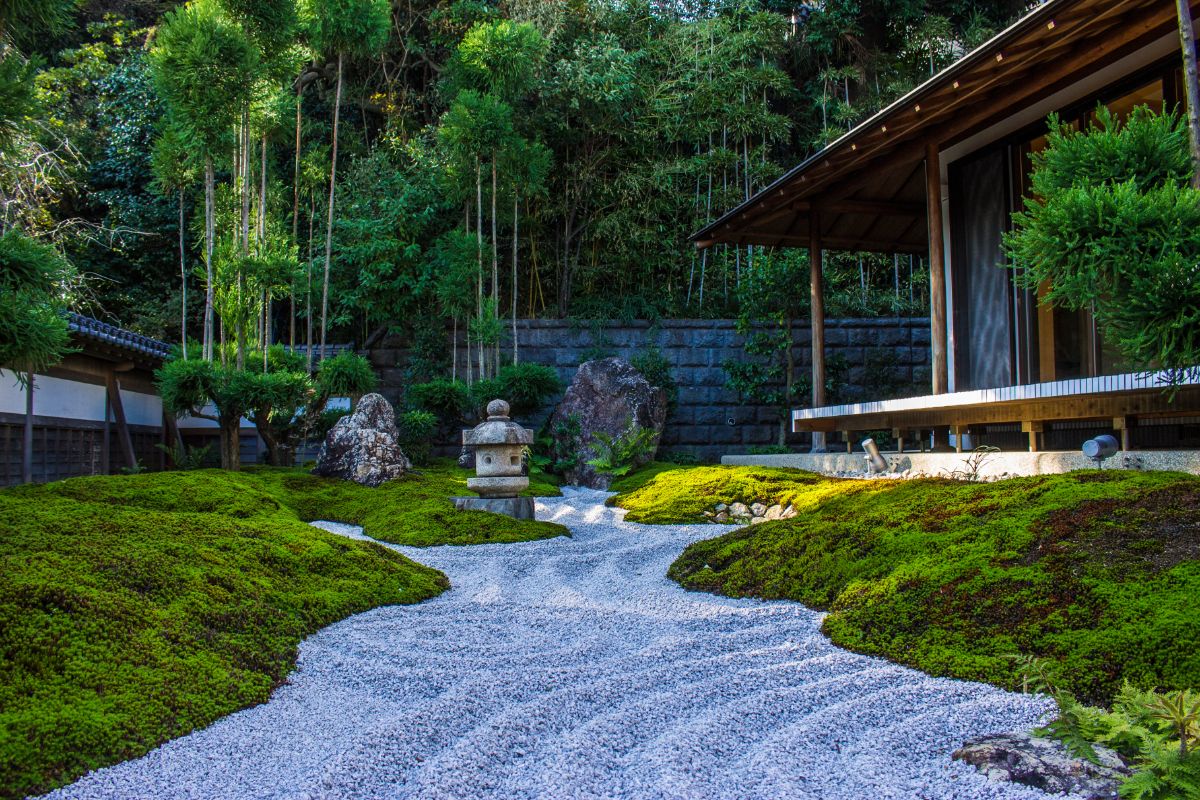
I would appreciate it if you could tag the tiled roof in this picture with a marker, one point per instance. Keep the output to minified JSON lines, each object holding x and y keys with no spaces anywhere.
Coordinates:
{"x":94,"y":329}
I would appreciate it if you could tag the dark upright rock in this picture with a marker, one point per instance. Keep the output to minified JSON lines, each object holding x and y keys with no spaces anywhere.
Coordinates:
{"x":611,"y":397}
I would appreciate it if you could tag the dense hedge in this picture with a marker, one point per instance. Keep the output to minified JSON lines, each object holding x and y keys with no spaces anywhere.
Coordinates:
{"x":134,"y":609}
{"x":1097,"y":571}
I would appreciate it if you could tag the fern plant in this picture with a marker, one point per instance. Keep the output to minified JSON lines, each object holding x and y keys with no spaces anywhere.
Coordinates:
{"x":617,"y":455}
{"x":1158,"y":733}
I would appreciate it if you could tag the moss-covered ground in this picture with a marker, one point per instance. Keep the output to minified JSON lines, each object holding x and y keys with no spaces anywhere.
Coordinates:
{"x":1097,"y":571}
{"x":134,"y":609}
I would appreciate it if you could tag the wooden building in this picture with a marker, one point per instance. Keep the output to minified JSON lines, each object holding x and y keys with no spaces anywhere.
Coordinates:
{"x":939,"y":172}
{"x":94,"y":413}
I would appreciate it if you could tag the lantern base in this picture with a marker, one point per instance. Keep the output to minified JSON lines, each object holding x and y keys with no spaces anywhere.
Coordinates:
{"x":516,"y":507}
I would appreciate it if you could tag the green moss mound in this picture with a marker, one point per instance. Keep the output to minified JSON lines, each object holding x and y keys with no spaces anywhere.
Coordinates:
{"x":661,"y":493}
{"x":134,"y":609}
{"x":1097,"y":571}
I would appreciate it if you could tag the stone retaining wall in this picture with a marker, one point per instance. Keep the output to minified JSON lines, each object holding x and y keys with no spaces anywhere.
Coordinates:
{"x":710,"y":420}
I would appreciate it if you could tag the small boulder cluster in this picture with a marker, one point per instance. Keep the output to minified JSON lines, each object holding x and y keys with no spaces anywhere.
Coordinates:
{"x":753,"y":514}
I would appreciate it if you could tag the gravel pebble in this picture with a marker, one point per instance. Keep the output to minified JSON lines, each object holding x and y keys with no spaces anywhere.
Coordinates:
{"x":572,"y":668}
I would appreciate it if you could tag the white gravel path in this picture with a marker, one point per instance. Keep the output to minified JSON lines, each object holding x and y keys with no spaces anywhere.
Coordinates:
{"x":572,"y":668}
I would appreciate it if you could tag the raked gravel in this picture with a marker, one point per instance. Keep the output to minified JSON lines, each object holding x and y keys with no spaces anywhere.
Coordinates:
{"x":572,"y":668}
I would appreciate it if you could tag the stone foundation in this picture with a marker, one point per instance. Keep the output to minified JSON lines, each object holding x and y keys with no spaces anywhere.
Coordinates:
{"x":516,"y":507}
{"x":990,"y":465}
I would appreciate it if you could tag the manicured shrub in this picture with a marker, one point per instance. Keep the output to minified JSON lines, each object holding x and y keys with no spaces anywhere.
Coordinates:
{"x":448,"y":400}
{"x":346,"y":375}
{"x":527,"y":387}
{"x":1096,"y":571}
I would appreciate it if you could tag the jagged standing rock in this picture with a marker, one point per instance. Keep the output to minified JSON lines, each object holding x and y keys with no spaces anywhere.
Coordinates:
{"x":606,"y":396}
{"x":1044,"y":764}
{"x":364,"y":447}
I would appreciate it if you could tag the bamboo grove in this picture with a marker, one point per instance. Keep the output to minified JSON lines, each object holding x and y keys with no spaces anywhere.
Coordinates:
{"x":313,"y":171}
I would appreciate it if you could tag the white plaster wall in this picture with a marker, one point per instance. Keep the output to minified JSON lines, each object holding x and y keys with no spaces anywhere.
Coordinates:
{"x":58,"y":397}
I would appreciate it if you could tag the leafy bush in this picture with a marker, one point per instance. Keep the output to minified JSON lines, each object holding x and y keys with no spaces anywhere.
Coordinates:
{"x":1113,"y":226}
{"x":528,"y":386}
{"x":657,"y":371}
{"x":1097,"y":571}
{"x":33,"y":330}
{"x":417,"y":429}
{"x":448,"y":400}
{"x":482,"y":392}
{"x":346,"y":375}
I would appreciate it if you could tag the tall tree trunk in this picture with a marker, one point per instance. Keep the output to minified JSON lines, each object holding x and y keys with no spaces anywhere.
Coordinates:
{"x":308,"y":312}
{"x":182,"y":281}
{"x":245,"y":239}
{"x":1187,"y":39}
{"x":515,"y":244}
{"x":209,"y":183}
{"x":231,"y":455}
{"x":495,"y":269}
{"x":337,"y":104}
{"x":454,"y":348}
{"x":265,"y":339}
{"x":295,"y":217}
{"x":479,"y":254}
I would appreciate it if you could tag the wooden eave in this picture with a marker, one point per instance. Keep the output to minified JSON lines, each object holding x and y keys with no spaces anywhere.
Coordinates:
{"x":869,"y":185}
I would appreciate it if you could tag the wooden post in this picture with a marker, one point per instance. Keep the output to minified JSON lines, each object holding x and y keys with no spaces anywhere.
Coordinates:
{"x":27,"y":448}
{"x":937,"y":269}
{"x":817,"y":321}
{"x":1124,"y":425}
{"x":898,"y":435}
{"x":118,"y":409}
{"x":959,"y":432}
{"x":849,"y":437}
{"x":1191,"y":83}
{"x":1034,"y":429}
{"x":105,"y":448}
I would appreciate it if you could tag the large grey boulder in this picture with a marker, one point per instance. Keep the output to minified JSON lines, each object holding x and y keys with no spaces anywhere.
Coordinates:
{"x":606,"y":396}
{"x":1044,"y":764}
{"x":364,"y":447}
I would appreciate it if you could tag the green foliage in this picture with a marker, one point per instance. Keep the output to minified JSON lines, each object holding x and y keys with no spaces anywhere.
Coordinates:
{"x":1154,"y":732}
{"x":346,"y":375}
{"x":558,"y":451}
{"x":202,"y":63}
{"x":657,"y":371}
{"x":354,"y":27}
{"x":18,"y":100}
{"x":527,"y":386}
{"x":1093,"y":571}
{"x":448,"y":400}
{"x":137,"y":608}
{"x":33,"y":330}
{"x":1113,"y":226}
{"x":617,"y":455}
{"x":501,"y":57}
{"x":417,"y":429}
{"x":187,"y":458}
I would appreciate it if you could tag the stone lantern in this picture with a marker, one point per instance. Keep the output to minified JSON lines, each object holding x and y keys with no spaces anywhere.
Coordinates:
{"x":499,"y":445}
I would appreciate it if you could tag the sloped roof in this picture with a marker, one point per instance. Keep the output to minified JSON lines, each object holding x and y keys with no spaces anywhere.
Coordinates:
{"x":112,"y":337}
{"x":869,"y":186}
